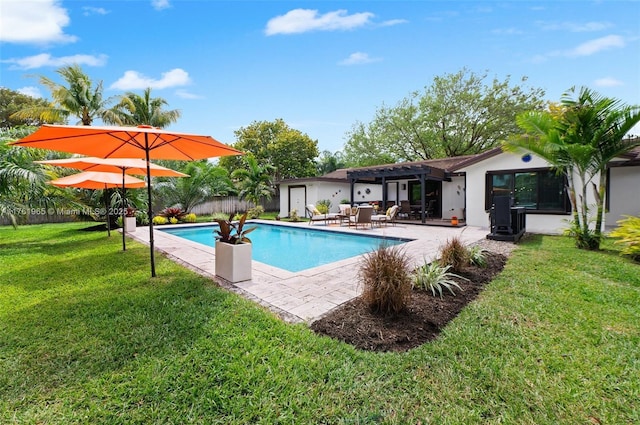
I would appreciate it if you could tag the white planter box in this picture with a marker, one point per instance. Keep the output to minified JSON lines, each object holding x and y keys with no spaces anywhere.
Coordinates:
{"x":233,"y":262}
{"x":129,"y":224}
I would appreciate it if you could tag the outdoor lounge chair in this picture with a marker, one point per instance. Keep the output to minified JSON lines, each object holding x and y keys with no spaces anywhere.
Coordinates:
{"x":389,"y":217}
{"x":315,"y":215}
{"x":362,"y":216}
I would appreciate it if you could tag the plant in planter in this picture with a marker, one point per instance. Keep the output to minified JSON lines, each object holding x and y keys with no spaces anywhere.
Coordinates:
{"x":233,"y":249}
{"x":130,"y":220}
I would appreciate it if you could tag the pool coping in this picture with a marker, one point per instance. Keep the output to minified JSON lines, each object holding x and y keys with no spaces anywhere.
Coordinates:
{"x":307,"y":295}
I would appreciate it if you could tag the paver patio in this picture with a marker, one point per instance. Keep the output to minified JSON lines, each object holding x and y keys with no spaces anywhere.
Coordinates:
{"x":307,"y":295}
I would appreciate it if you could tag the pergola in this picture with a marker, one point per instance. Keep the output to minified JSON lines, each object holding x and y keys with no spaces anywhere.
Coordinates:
{"x":383,"y":173}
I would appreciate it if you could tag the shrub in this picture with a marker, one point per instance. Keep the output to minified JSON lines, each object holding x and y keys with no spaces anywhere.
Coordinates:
{"x":142,"y":218}
{"x":119,"y":221}
{"x":219,"y":216}
{"x":454,"y":254}
{"x":628,"y":232}
{"x":584,"y":238}
{"x":434,"y":276}
{"x":255,"y":211}
{"x":173,"y":220}
{"x":189,"y":218}
{"x":323,"y":206}
{"x":386,"y":280}
{"x":477,"y":256}
{"x":293,"y":215}
{"x":159,"y":220}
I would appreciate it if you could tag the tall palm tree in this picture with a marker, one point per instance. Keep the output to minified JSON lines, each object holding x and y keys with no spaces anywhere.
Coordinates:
{"x":255,"y":180}
{"x":133,"y":109}
{"x":579,"y":138}
{"x":78,"y":98}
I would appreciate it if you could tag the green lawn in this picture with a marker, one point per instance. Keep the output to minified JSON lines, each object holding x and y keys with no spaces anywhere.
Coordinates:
{"x":86,"y":336}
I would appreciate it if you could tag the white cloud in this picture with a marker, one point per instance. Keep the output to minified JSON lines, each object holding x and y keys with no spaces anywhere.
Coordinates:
{"x":89,"y":10}
{"x":359,"y":58}
{"x":160,"y":4}
{"x":187,"y":95}
{"x":594,"y":46}
{"x":132,"y":80}
{"x":35,"y":22}
{"x":30,"y":91}
{"x":507,"y":31}
{"x":392,"y":22}
{"x":304,"y":20}
{"x":45,"y":59}
{"x":608,"y":82}
{"x":575,"y":27}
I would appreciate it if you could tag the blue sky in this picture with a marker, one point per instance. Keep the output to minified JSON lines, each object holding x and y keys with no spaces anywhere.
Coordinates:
{"x":321,"y":66}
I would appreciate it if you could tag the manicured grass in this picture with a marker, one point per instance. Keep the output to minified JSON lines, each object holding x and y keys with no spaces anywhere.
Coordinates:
{"x":86,"y":336}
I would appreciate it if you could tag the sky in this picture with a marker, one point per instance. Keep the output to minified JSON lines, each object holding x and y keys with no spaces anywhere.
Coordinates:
{"x":321,"y":66}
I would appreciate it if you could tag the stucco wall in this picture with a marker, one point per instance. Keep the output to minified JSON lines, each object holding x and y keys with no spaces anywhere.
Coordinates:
{"x":624,"y":194}
{"x":476,"y":214}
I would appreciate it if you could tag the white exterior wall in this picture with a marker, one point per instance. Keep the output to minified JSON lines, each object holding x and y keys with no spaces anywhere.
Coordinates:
{"x":333,"y":191}
{"x":624,"y":193}
{"x":453,"y":198}
{"x":476,"y":182}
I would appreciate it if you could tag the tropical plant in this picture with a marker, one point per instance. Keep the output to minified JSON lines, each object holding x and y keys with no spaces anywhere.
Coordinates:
{"x":385,"y":276}
{"x":628,"y":234}
{"x":205,"y":181}
{"x":256,"y":211}
{"x":79,"y":98}
{"x":173,"y":212}
{"x":233,"y":232}
{"x":579,"y":137}
{"x":434,"y":276}
{"x":159,"y":220}
{"x":190,"y":218}
{"x":254,"y":181}
{"x":477,"y":256}
{"x":133,"y":109}
{"x":293,"y":215}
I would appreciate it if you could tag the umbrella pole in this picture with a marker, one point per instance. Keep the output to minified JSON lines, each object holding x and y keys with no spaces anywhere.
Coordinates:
{"x":105,"y":193}
{"x":122,"y":202}
{"x":150,"y":209}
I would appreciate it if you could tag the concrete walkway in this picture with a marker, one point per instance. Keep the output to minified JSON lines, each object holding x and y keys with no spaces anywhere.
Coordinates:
{"x":307,"y":295}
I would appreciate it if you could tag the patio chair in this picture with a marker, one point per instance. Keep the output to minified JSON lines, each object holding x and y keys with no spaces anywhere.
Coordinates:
{"x":389,"y":217}
{"x":405,"y":210}
{"x":362,"y":217}
{"x":315,"y":215}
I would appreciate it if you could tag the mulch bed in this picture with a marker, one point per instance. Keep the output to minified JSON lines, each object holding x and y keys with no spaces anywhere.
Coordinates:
{"x":422,"y":320}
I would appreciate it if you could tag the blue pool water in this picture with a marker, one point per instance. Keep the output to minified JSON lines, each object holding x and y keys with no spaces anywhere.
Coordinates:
{"x":292,"y":248}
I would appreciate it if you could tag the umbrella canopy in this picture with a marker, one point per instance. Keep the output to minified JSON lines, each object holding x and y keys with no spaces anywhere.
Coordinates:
{"x":128,"y":142}
{"x":98,"y":180}
{"x":115,"y":165}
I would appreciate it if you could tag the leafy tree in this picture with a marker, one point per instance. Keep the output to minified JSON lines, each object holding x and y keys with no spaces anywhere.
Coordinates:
{"x":288,"y":152}
{"x":459,"y":114}
{"x":79,"y":99}
{"x":205,"y":182}
{"x":328,"y":162}
{"x":254,"y":181}
{"x":133,"y":109}
{"x":579,"y":138}
{"x":12,"y":101}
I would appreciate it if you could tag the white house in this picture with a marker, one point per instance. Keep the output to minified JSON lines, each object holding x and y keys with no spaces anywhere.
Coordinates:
{"x":465,"y":186}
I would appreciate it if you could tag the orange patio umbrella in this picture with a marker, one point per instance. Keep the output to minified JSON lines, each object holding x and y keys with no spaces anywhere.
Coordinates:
{"x":115,"y":165}
{"x":98,"y":180}
{"x":128,"y":142}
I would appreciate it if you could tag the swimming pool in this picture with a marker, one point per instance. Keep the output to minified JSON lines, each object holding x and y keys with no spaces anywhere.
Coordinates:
{"x":293,"y":248}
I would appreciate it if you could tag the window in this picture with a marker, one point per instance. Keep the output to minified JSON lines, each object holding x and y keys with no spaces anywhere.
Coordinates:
{"x":538,"y":190}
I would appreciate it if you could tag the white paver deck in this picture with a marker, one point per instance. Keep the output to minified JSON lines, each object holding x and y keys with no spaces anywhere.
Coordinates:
{"x":307,"y":295}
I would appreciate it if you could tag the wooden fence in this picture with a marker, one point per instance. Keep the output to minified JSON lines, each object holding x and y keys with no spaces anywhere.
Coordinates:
{"x":232,"y":204}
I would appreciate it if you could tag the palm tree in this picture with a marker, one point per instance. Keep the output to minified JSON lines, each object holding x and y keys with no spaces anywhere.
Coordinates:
{"x":205,"y":182}
{"x":579,"y":139}
{"x":134,"y":109}
{"x":254,"y":181}
{"x":78,"y":99}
